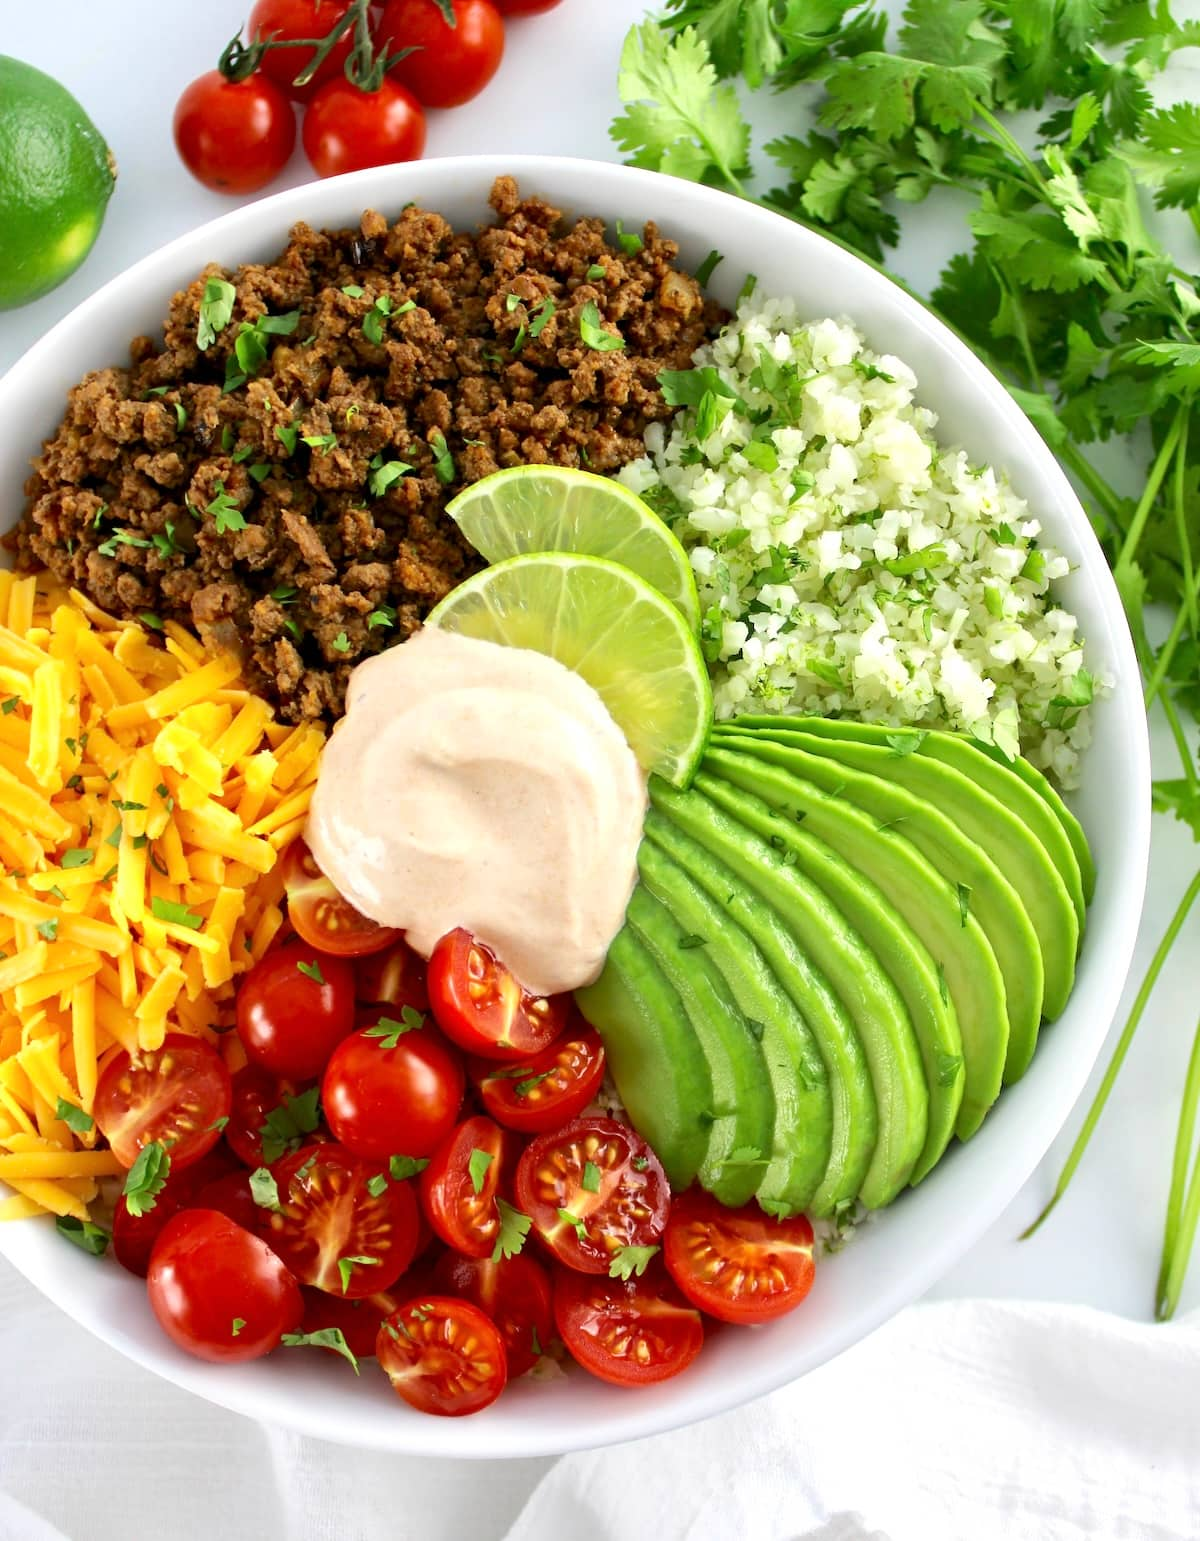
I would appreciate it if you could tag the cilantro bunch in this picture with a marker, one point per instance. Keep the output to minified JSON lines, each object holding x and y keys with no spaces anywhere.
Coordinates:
{"x":1062,"y":290}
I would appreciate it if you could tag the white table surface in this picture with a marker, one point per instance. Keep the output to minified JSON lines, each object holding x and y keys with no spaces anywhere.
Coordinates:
{"x":127,"y":63}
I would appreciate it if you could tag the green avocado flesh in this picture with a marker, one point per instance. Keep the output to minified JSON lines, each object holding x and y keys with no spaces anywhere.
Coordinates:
{"x":842,"y":944}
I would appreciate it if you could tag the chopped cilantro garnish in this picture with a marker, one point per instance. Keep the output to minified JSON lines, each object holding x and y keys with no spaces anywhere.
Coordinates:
{"x":324,"y":1337}
{"x":377,"y":1185}
{"x":628,"y":1261}
{"x":289,"y":437}
{"x":384,"y":616}
{"x":148,"y":618}
{"x":593,"y":334}
{"x":341,"y":643}
{"x":596,"y":271}
{"x":216,"y":309}
{"x":523,"y":1088}
{"x":175,"y":914}
{"x":591,"y":1177}
{"x":324,"y":442}
{"x":512,"y":302}
{"x":312,"y":971}
{"x":9,"y":705}
{"x":477,"y":1167}
{"x":83,"y":1234}
{"x":75,"y":1118}
{"x":389,"y":1031}
{"x":576,"y":1222}
{"x":383,"y":473}
{"x":76,"y":858}
{"x":164,"y":541}
{"x":121,"y":538}
{"x":629,"y":243}
{"x":443,"y":464}
{"x":347,"y":1265}
{"x":264,"y":1190}
{"x":146,"y":1178}
{"x":285,"y":1125}
{"x":236,"y":1325}
{"x":353,"y":291}
{"x":225,"y":512}
{"x":537,"y":324}
{"x":514,"y":1228}
{"x":708,"y":267}
{"x":48,"y":929}
{"x":402,"y":1167}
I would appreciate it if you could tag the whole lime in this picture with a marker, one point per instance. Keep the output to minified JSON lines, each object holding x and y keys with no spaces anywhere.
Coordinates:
{"x":56,"y":177}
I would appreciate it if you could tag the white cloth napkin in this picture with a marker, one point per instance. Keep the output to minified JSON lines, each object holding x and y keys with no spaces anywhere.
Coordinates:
{"x":967,"y":1421}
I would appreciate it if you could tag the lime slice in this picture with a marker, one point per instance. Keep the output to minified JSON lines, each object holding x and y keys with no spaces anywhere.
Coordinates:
{"x":630,"y":644}
{"x":553,"y":508}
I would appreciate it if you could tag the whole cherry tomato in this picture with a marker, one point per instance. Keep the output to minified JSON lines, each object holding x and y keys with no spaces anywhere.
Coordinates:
{"x":346,"y":129}
{"x":392,"y":1089}
{"x":288,"y":20}
{"x":449,"y":65}
{"x":218,"y":1290}
{"x":235,"y":136}
{"x":293,"y":1008}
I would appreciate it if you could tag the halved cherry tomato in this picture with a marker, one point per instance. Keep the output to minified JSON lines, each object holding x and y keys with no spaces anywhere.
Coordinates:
{"x":293,"y":1008}
{"x":739,"y":1265}
{"x":514,"y":1292}
{"x":629,"y":1332}
{"x":231,"y":1196}
{"x":321,"y":916}
{"x":328,"y":1216}
{"x":592,"y":1189}
{"x":390,"y":1089}
{"x":395,"y":977}
{"x":218,"y":1290}
{"x":177,"y":1094}
{"x":256,"y":1095}
{"x":459,"y":1186}
{"x":443,"y":1356}
{"x":358,"y":1321}
{"x":550,"y":1088}
{"x":481,"y":1006}
{"x":133,"y":1236}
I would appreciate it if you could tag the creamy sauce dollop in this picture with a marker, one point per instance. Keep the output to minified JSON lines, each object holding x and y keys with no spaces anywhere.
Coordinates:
{"x":476,"y":785}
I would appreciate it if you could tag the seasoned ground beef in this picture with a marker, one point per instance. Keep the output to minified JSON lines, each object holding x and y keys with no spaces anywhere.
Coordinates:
{"x":295,"y":510}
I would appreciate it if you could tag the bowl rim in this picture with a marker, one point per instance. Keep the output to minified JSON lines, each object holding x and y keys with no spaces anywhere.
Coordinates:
{"x":431,"y":1437}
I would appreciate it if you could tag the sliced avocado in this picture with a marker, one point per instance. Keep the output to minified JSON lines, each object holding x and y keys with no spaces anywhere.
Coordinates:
{"x":978,"y":886}
{"x":742,"y":1113}
{"x":654,"y":1056}
{"x":1073,"y":829}
{"x":791,"y":1171}
{"x":999,"y":779}
{"x":976,"y":814}
{"x":855,"y":1119}
{"x":915,"y":887}
{"x":894,"y":943}
{"x":869,"y":996}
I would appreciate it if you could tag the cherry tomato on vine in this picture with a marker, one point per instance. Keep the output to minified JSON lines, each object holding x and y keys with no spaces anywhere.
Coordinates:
{"x":480,"y":1005}
{"x":391,"y":1089}
{"x":287,"y":20}
{"x":218,"y":1290}
{"x":443,"y":1356}
{"x":293,"y":1008}
{"x":459,"y":1186}
{"x":629,"y":1332}
{"x":591,"y":1190}
{"x":513,"y":1292}
{"x":346,"y":129}
{"x":337,"y":1227}
{"x":177,"y":1094}
{"x":235,"y":136}
{"x":739,"y":1265}
{"x":321,"y":916}
{"x":547,"y":1090}
{"x":449,"y":65}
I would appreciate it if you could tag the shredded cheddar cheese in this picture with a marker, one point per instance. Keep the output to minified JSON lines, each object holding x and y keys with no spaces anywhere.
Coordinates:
{"x":145,"y":795}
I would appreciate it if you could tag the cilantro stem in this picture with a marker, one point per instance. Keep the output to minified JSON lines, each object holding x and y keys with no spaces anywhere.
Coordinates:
{"x":1122,"y":1049}
{"x":1078,"y":463}
{"x":1181,"y":529}
{"x":1166,"y":653}
{"x":1183,"y":1203}
{"x":1154,"y":481}
{"x":1001,"y":137}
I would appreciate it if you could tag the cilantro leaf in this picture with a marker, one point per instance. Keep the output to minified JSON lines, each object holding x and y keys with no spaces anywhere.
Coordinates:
{"x":514,"y":1228}
{"x":1166,"y":157}
{"x":347,"y":1265}
{"x":325,"y":1337}
{"x":175,"y":914}
{"x":264,"y":1190}
{"x":402,"y":1167}
{"x":284,"y":1126}
{"x":216,"y":310}
{"x":146,"y":1178}
{"x":88,"y":1237}
{"x":311,"y":971}
{"x":593,"y":333}
{"x":477,"y":1167}
{"x":226,"y":514}
{"x":75,"y":1118}
{"x":628,"y":1261}
{"x":389,"y":1031}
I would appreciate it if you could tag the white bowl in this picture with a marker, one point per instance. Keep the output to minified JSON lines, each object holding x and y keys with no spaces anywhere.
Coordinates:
{"x":910,"y":1245}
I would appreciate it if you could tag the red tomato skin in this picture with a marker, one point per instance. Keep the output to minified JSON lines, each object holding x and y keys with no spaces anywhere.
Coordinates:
{"x":603,"y":1320}
{"x":201,"y":1089}
{"x":395,"y":977}
{"x":327,"y":1181}
{"x":711,"y":1252}
{"x":255,"y":1094}
{"x":205,"y":1273}
{"x":465,"y":1220}
{"x":296,"y":19}
{"x":358,"y":1320}
{"x":630,"y":1208}
{"x":230,"y":1195}
{"x":133,"y":1236}
{"x":574,"y":1071}
{"x":234,"y":136}
{"x":288,"y":1023}
{"x":480,"y":1005}
{"x":449,"y":66}
{"x":321,"y":916}
{"x":401,"y":1101}
{"x":419,"y":1360}
{"x":513,"y":1292}
{"x":524,"y":7}
{"x":346,"y":129}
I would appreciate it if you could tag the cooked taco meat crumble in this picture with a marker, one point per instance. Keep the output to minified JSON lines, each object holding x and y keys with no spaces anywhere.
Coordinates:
{"x":282,"y":491}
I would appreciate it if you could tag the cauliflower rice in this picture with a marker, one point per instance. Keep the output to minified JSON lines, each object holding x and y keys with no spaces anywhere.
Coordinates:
{"x":846,"y":561}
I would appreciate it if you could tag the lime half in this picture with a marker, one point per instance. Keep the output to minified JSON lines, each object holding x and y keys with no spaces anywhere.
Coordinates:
{"x":596,"y":617}
{"x":554,"y":508}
